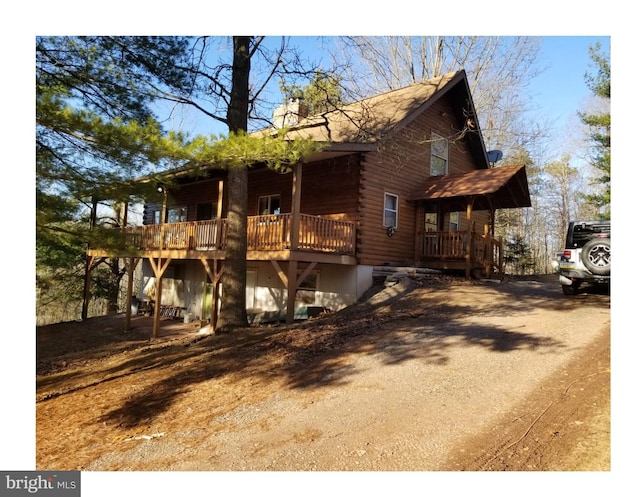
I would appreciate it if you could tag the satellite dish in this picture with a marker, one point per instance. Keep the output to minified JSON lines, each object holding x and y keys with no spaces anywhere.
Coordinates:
{"x":494,"y":155}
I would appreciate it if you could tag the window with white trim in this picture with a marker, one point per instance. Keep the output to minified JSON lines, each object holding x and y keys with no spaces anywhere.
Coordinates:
{"x":174,"y":215}
{"x":268,"y":204}
{"x":439,"y":155}
{"x":177,"y":215}
{"x":390,"y":210}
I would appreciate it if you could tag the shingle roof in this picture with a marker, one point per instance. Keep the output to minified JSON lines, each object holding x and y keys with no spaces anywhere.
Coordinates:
{"x":499,"y":188}
{"x":367,"y":121}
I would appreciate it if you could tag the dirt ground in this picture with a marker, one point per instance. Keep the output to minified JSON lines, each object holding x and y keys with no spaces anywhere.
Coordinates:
{"x":432,"y":375}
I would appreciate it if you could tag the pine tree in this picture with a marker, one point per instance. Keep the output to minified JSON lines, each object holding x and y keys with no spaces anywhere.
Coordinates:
{"x":95,"y":133}
{"x":600,"y":132}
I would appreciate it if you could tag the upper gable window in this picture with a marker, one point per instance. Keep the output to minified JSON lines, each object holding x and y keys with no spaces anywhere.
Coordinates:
{"x":439,"y":155}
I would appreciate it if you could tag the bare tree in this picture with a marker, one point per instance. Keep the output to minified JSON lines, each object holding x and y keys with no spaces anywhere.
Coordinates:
{"x":235,"y":94}
{"x":498,"y":69}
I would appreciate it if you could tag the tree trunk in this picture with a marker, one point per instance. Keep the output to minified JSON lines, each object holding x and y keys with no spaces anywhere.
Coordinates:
{"x":233,"y":313}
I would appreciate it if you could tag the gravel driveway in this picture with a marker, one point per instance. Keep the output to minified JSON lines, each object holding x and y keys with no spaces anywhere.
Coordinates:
{"x":411,"y":380}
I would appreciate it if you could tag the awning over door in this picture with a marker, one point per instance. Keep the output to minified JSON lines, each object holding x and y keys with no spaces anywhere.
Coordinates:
{"x":497,"y":188}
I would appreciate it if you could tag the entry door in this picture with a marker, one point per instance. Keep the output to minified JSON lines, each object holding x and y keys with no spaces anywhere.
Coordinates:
{"x":430,"y":221}
{"x":430,"y":248}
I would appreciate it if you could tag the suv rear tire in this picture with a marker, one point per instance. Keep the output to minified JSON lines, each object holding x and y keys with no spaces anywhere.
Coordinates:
{"x":596,"y":256}
{"x":571,"y":289}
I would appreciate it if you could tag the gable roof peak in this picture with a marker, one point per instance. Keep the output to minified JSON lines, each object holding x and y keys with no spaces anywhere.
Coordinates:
{"x":368,"y":120}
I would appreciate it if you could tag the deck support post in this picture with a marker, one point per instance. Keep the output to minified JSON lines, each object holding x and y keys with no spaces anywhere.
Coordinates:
{"x":292,"y":282}
{"x":292,"y":288}
{"x":130,"y":264}
{"x":159,"y":267}
{"x":88,"y":265}
{"x":214,"y":273}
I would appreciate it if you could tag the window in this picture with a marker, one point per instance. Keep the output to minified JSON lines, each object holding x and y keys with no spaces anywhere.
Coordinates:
{"x":430,"y":221}
{"x":174,"y":215}
{"x":390,"y":210}
{"x":454,"y":221}
{"x":177,"y":215}
{"x":439,"y":155}
{"x":269,"y":204}
{"x":204,"y":212}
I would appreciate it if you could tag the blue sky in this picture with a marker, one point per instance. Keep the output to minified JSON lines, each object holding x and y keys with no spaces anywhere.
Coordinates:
{"x":560,"y":91}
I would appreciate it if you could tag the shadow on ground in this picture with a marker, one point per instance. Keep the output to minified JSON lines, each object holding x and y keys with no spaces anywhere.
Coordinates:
{"x":423,"y":323}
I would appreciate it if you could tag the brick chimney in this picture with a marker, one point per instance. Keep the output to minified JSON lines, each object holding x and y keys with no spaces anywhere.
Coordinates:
{"x":290,"y":114}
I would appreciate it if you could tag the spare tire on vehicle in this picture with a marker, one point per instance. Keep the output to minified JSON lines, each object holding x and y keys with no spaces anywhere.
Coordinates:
{"x":596,"y":256}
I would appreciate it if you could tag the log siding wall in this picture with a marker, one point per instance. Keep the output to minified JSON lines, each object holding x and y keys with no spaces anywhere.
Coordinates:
{"x":400,"y":167}
{"x":352,"y":188}
{"x":329,"y":188}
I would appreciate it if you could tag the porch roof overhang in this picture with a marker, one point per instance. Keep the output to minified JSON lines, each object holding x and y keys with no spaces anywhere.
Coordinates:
{"x":496,"y":188}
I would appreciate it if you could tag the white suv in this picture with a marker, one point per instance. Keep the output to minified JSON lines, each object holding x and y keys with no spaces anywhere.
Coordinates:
{"x":586,"y":256}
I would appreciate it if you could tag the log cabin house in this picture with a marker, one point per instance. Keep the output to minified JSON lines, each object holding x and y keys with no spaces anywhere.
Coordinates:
{"x":405,"y":180}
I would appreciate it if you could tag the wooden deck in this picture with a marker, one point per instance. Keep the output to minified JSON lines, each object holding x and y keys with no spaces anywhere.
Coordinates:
{"x":322,"y":239}
{"x":269,"y":234}
{"x":461,"y":250}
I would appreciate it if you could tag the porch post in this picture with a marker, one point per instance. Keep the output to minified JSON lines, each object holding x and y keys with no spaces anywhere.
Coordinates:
{"x":218,"y":232}
{"x":295,"y":206}
{"x":220,"y":194}
{"x":125,"y":214}
{"x":488,"y":251}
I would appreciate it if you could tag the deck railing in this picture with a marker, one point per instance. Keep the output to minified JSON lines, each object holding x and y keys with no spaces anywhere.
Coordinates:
{"x":456,"y":245}
{"x":270,"y":232}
